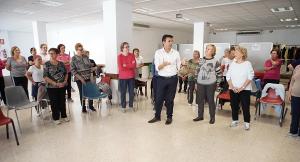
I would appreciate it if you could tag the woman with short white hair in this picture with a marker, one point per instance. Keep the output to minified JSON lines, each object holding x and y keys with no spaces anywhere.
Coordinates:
{"x":239,"y":76}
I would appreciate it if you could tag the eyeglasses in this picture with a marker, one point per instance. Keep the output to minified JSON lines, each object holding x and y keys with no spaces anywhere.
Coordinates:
{"x":80,"y":49}
{"x":126,"y":46}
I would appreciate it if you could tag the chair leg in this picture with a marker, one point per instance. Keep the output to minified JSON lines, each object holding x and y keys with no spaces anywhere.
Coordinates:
{"x":31,"y":114}
{"x":18,"y":121}
{"x":7,"y":131}
{"x":16,"y":136}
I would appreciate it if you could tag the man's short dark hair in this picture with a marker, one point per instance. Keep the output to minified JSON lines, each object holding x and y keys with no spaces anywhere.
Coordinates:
{"x":165,"y":37}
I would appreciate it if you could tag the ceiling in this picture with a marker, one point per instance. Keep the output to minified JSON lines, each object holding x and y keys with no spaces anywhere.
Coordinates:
{"x":220,"y":14}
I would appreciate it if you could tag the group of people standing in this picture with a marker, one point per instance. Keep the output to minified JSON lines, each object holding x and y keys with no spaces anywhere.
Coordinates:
{"x":50,"y":68}
{"x":202,"y":75}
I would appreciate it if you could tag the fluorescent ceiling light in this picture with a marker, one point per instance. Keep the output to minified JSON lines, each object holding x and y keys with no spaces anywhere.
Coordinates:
{"x":292,"y":26}
{"x":222,"y":29}
{"x":207,"y":6}
{"x":143,"y":1}
{"x":282,"y":9}
{"x":23,"y":12}
{"x":48,"y":3}
{"x":144,"y":10}
{"x":289,"y":19}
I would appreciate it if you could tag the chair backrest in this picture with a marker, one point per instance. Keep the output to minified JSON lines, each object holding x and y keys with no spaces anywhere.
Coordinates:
{"x":8,"y":81}
{"x":1,"y":115}
{"x":106,"y":79}
{"x":91,"y":91}
{"x":16,"y":96}
{"x":272,"y":93}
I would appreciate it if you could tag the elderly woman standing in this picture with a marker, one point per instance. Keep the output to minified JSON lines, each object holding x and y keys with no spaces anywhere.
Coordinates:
{"x":192,"y":70}
{"x":272,"y":68}
{"x":239,"y":76}
{"x":183,"y":76}
{"x":17,"y":65}
{"x":66,"y":59}
{"x":209,"y":73}
{"x":56,"y":77}
{"x":127,"y":66}
{"x":294,"y":97}
{"x":35,"y":75}
{"x":81,"y":69}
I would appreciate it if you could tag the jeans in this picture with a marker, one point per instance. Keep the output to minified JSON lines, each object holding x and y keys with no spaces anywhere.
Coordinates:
{"x":124,"y":84}
{"x":295,"y":105}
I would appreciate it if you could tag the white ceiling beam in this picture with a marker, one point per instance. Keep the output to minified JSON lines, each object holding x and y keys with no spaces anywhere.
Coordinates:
{"x":206,"y":6}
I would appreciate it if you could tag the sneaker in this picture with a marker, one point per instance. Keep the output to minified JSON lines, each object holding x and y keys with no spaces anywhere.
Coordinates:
{"x":292,"y":135}
{"x":234,"y":123}
{"x":65,"y":120}
{"x":247,"y":126}
{"x":57,"y":122}
{"x":190,"y":104}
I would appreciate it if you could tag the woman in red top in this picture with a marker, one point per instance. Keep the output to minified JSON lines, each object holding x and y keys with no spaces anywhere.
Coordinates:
{"x":272,"y":68}
{"x":127,"y":65}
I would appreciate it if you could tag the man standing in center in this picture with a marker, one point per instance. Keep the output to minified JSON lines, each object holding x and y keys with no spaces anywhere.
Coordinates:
{"x":167,"y":63}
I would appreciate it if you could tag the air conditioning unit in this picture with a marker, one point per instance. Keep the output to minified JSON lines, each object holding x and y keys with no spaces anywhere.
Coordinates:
{"x":249,"y":32}
{"x":141,"y":25}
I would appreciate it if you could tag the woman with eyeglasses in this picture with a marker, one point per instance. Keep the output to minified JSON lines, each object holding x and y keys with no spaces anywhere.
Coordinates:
{"x":81,"y":69}
{"x":127,"y":65}
{"x":17,"y":65}
{"x":56,"y":77}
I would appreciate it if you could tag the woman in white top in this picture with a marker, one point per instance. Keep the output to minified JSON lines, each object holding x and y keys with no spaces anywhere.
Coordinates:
{"x":35,"y":75}
{"x":239,"y":76}
{"x":139,"y":64}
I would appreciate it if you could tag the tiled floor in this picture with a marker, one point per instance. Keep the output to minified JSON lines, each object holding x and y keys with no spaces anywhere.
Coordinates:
{"x":127,"y":137}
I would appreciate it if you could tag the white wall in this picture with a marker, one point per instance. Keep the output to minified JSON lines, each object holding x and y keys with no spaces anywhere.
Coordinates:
{"x":290,"y":36}
{"x":24,"y":40}
{"x":91,"y":38}
{"x":147,"y":40}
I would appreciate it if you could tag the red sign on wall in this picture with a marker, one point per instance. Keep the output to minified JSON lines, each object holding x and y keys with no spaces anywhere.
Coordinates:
{"x":1,"y":41}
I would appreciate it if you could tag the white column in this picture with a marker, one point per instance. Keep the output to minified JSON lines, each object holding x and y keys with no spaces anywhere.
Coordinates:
{"x":117,"y":22}
{"x":200,"y":36}
{"x":39,"y":33}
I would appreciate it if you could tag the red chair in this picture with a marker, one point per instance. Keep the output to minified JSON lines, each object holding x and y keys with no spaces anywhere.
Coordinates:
{"x":106,"y":79}
{"x":259,"y":75}
{"x":272,"y":99}
{"x":224,"y":97}
{"x":5,"y":121}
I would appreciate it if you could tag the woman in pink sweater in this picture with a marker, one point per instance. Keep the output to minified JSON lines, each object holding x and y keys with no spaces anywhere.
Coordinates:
{"x":126,"y":65}
{"x":272,"y":68}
